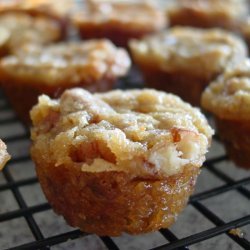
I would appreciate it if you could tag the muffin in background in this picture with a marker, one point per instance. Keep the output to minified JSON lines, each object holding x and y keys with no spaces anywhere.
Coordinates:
{"x":121,"y":161}
{"x":245,"y":31}
{"x":228,"y":99}
{"x":4,"y":156}
{"x":118,"y":21}
{"x":4,"y":39}
{"x":25,"y":29}
{"x":185,"y":60}
{"x":207,"y":13}
{"x":34,"y":70}
{"x":58,"y":10}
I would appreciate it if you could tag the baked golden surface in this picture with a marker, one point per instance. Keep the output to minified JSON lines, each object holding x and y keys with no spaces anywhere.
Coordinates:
{"x":24,"y":29}
{"x":65,"y":63}
{"x":208,"y":13}
{"x":185,"y":60}
{"x":200,"y":52}
{"x":141,"y":132}
{"x":228,"y":97}
{"x":56,"y":9}
{"x":122,"y":161}
{"x":4,"y":156}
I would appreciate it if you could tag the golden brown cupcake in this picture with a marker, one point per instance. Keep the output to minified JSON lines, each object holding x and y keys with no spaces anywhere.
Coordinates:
{"x":24,"y":29}
{"x":4,"y":156}
{"x":228,"y":98}
{"x":208,"y":13}
{"x":122,"y":161}
{"x":34,"y":70}
{"x":184,"y":60}
{"x":118,"y":21}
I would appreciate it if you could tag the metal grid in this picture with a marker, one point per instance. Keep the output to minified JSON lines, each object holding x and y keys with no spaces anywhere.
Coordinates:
{"x":15,"y":182}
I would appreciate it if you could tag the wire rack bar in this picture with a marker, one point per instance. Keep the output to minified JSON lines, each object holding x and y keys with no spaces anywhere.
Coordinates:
{"x":205,"y":235}
{"x":109,"y":243}
{"x":51,"y":241}
{"x":219,"y":222}
{"x":42,"y":242}
{"x":245,"y":192}
{"x":219,"y":190}
{"x":15,"y":138}
{"x":13,"y":184}
{"x":24,"y":211}
{"x":30,"y":220}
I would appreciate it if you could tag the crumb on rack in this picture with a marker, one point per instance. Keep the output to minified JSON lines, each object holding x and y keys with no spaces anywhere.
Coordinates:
{"x":237,"y":232}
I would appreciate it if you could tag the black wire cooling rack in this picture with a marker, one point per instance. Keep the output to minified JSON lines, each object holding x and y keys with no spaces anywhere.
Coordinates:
{"x":225,"y":194}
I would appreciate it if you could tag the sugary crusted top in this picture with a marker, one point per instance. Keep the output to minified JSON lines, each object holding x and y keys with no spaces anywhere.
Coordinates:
{"x":228,"y":97}
{"x":143,"y":132}
{"x":127,"y":14}
{"x":4,"y":156}
{"x":27,"y":29}
{"x":227,"y":9}
{"x":69,"y":63}
{"x":190,"y":50}
{"x":55,"y":8}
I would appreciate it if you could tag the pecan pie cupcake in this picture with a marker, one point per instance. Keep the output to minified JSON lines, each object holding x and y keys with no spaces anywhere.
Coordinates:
{"x":94,"y":65}
{"x":184,"y":60}
{"x":228,"y":98}
{"x":118,"y":21}
{"x":4,"y":156}
{"x":208,"y":13}
{"x":122,"y":161}
{"x":24,"y":29}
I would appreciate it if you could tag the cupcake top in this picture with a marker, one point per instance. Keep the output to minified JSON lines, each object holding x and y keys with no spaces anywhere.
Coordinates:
{"x":228,"y":97}
{"x":56,"y":9}
{"x":147,"y":133}
{"x":4,"y":156}
{"x":68,"y":63}
{"x":215,"y":9}
{"x":24,"y":29}
{"x":126,"y":14}
{"x":199,"y":52}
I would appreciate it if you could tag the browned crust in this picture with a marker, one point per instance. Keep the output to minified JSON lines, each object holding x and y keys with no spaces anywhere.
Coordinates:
{"x":195,"y":18}
{"x":118,"y":25}
{"x":109,"y":203}
{"x":62,"y":23}
{"x":184,"y":84}
{"x":225,"y":14}
{"x":235,"y":135}
{"x":120,"y":36}
{"x":4,"y":156}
